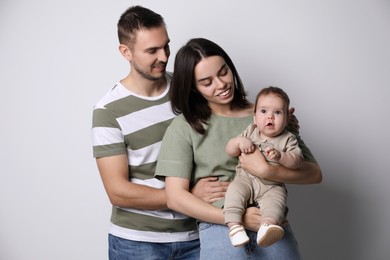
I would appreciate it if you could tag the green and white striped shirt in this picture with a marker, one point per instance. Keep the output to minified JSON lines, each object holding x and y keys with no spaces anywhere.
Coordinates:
{"x":126,"y":123}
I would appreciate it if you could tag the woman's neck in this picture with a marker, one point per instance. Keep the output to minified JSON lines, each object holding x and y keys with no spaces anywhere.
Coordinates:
{"x":232,"y":111}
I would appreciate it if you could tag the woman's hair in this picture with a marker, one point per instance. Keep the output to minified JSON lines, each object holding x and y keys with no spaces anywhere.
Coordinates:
{"x":184,"y":95}
{"x":276,"y":91}
{"x":136,"y":18}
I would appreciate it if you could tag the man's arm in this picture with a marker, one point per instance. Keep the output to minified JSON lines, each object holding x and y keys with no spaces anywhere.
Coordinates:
{"x":255,"y":163}
{"x":123,"y":193}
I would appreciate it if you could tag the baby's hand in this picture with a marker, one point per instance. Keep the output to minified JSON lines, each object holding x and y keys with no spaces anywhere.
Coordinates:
{"x":272,"y":154}
{"x":246,"y":146}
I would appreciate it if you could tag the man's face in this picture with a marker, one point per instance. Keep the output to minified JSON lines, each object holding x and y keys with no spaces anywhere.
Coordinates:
{"x":150,"y":53}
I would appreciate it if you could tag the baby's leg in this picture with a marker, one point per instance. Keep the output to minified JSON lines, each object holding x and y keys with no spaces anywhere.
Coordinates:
{"x":272,"y":208}
{"x":236,"y":197}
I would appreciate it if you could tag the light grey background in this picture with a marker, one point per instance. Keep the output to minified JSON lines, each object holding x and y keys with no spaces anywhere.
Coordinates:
{"x":57,"y":58}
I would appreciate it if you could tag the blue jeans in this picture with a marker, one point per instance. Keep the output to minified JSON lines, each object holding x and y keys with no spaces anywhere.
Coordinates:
{"x":123,"y":249}
{"x":215,"y":244}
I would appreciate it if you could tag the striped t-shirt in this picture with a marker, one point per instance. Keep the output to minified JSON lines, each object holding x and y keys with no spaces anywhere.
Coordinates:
{"x":126,"y":123}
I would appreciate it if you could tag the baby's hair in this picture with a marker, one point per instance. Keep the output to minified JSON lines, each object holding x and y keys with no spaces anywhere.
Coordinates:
{"x":276,"y":91}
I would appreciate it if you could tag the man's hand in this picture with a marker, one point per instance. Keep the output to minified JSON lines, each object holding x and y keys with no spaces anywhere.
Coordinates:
{"x":210,"y":189}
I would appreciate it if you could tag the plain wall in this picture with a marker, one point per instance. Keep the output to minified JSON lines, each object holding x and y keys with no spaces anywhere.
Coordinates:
{"x":57,"y":58}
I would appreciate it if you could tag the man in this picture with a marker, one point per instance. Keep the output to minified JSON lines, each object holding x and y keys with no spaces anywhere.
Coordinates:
{"x":128,"y":125}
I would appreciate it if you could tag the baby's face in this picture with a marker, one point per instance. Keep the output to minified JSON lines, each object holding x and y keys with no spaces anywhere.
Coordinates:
{"x":271,"y":115}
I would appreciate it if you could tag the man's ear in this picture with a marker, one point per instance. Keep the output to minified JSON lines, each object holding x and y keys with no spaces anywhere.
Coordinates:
{"x":125,"y":51}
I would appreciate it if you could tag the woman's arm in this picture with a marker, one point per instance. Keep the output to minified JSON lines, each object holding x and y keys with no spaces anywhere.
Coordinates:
{"x":180,"y":199}
{"x":255,"y":163}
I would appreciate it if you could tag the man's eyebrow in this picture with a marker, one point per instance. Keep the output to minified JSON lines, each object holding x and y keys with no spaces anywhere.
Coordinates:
{"x":158,"y":47}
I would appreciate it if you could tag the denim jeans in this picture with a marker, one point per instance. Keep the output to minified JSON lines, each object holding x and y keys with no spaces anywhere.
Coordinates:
{"x":215,"y":244}
{"x":123,"y":249}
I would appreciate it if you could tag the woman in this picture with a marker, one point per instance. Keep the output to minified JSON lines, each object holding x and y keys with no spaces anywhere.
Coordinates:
{"x":208,"y":94}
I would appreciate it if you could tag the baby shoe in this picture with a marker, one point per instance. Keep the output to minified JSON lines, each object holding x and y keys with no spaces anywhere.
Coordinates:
{"x":238,"y":236}
{"x":269,"y":234}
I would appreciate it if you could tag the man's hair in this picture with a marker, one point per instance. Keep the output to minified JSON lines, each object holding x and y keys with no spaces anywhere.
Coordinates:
{"x":136,"y":18}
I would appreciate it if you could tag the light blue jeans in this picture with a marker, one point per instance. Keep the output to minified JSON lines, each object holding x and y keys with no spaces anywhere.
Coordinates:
{"x":215,"y":244}
{"x":123,"y":249}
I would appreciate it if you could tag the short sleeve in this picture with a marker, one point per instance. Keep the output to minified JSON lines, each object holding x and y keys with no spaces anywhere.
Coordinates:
{"x":176,"y":154}
{"x":106,"y":135}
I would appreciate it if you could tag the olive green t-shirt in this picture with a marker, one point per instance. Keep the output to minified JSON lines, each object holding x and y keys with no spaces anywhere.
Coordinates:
{"x":186,"y":153}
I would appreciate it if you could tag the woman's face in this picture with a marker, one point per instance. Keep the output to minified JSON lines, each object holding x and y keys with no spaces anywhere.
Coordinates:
{"x":214,"y":81}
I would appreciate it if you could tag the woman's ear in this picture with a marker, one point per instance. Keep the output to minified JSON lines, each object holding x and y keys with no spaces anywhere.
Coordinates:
{"x":126,"y":52}
{"x":292,"y":121}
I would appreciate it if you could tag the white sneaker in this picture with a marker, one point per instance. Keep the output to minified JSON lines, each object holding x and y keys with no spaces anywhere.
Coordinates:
{"x":238,"y":236}
{"x":269,"y":234}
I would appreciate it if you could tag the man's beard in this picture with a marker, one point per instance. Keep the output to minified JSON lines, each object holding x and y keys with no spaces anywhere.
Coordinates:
{"x":147,"y":75}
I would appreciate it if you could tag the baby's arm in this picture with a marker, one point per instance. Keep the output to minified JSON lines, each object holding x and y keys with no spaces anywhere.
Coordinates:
{"x":287,"y":159}
{"x":238,"y":145}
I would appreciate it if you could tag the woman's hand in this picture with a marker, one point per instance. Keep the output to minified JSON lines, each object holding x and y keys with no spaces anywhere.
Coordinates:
{"x":210,"y":189}
{"x":256,"y":164}
{"x":251,"y":219}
